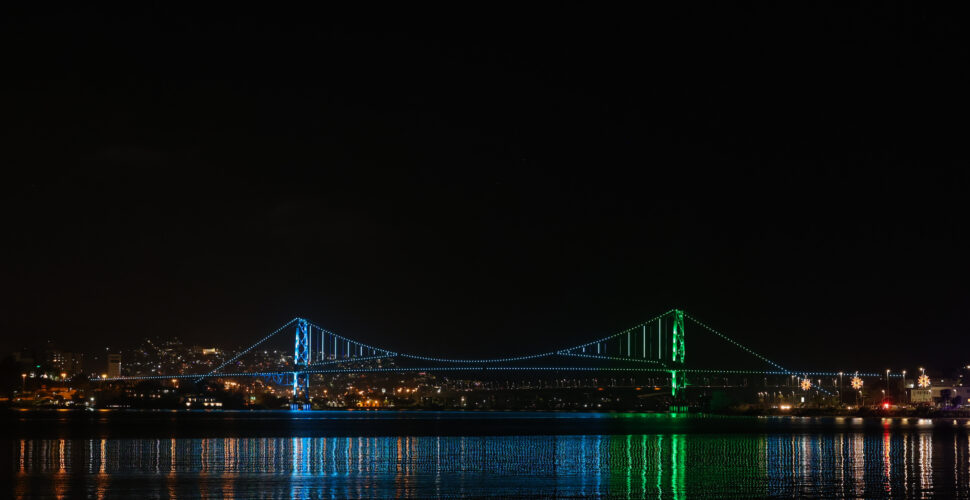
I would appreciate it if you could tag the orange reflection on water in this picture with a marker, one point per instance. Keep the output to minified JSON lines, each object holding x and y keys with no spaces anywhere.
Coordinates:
{"x":887,"y":465}
{"x":857,"y":464}
{"x":926,"y":461}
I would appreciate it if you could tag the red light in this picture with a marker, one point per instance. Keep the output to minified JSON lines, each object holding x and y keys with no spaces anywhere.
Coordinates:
{"x":885,"y":406}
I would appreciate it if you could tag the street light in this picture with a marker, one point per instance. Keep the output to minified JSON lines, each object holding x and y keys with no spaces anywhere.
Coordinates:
{"x":23,"y":382}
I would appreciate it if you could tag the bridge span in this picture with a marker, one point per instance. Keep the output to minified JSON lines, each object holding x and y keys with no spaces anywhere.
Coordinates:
{"x":657,"y":345}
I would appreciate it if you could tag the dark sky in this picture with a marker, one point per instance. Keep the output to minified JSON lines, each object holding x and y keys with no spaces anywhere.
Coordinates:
{"x":489,"y":181}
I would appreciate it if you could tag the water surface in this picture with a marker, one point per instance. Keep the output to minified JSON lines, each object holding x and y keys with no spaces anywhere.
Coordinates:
{"x":455,"y":454}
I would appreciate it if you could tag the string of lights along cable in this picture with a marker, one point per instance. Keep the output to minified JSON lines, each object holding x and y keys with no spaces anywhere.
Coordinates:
{"x":655,"y":346}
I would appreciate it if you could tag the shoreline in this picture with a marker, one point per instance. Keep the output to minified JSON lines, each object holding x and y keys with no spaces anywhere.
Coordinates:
{"x":823,"y":413}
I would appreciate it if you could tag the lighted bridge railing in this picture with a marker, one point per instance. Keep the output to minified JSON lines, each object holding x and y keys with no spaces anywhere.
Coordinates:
{"x":657,"y":345}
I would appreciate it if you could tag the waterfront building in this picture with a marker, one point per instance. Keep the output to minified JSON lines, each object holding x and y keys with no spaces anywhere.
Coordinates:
{"x":921,"y":396}
{"x":951,"y":396}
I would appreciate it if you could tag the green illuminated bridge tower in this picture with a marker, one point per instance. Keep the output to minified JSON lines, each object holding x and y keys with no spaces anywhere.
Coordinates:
{"x":678,"y":341}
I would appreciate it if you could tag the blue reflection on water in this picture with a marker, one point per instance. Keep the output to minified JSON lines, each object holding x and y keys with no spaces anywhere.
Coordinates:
{"x":902,"y":461}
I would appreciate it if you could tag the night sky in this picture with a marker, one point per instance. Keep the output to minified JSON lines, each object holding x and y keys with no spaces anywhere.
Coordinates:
{"x":492,"y":181}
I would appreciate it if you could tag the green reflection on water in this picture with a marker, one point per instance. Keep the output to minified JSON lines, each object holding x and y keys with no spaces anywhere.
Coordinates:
{"x":677,"y":466}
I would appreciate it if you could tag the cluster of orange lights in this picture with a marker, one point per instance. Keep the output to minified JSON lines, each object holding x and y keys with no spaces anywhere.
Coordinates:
{"x":856,"y":383}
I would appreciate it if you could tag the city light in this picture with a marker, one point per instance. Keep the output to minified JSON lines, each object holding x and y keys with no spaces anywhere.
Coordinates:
{"x":323,"y":360}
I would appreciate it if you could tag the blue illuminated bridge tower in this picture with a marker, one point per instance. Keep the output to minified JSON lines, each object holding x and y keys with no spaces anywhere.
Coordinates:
{"x":301,"y":361}
{"x":655,"y":348}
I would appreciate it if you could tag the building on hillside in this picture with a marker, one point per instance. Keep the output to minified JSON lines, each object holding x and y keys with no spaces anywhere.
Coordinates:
{"x":114,"y":365}
{"x":65,"y":362}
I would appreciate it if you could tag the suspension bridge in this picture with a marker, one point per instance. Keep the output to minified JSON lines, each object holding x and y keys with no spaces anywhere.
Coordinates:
{"x":658,"y":345}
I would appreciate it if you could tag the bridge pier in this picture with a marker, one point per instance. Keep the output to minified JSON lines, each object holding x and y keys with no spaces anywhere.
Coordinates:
{"x":678,"y":379}
{"x":678,"y":382}
{"x":301,"y":359}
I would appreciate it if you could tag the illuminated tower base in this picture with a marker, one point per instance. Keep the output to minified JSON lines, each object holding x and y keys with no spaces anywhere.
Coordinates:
{"x":678,"y":379}
{"x":301,"y":359}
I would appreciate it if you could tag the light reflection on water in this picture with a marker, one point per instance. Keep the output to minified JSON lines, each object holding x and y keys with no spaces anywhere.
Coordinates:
{"x":893,"y":464}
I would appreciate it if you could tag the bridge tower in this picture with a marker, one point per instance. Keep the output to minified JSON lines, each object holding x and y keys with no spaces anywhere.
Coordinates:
{"x":301,"y":359}
{"x":678,"y":350}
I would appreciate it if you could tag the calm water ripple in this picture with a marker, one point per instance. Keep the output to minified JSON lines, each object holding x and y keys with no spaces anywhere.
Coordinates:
{"x":828,"y":458}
